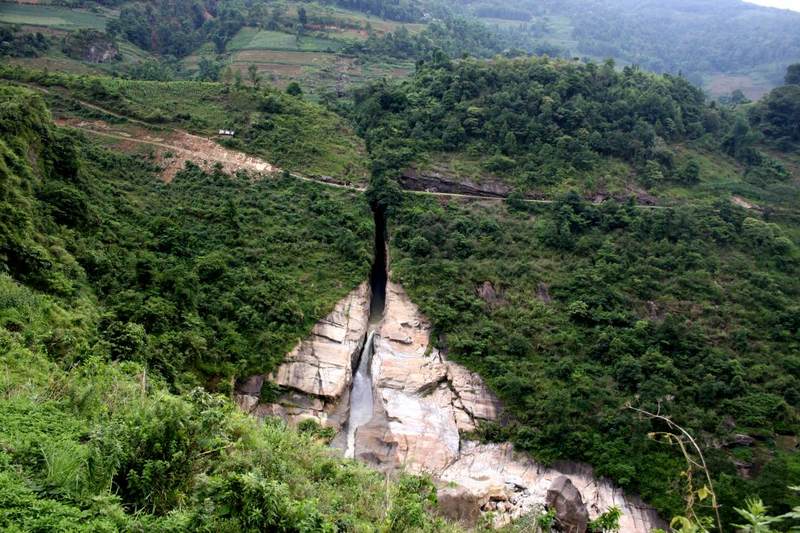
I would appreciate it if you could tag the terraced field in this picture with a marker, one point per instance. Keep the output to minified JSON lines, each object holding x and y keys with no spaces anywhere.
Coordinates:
{"x":256,"y":39}
{"x":57,"y":17}
{"x":315,"y":70}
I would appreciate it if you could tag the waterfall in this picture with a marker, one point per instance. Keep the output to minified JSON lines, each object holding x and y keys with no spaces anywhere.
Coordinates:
{"x":360,"y":396}
{"x":361,"y":401}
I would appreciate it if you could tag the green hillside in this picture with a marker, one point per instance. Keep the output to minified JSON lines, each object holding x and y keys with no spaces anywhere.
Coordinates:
{"x":589,"y":235}
{"x":574,"y":310}
{"x":102,"y":324}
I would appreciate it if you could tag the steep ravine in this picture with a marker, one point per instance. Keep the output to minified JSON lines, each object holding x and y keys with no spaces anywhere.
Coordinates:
{"x":369,"y":371}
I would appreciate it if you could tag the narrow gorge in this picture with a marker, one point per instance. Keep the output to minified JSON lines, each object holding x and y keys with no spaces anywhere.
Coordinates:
{"x":370,"y":372}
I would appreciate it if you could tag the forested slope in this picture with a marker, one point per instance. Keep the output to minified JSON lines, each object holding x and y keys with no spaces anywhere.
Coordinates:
{"x":116,"y":293}
{"x":574,"y":310}
{"x":544,"y":126}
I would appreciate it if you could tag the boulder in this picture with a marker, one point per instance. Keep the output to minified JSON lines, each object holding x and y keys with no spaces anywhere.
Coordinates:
{"x":543,"y":293}
{"x":570,"y":510}
{"x":458,"y":504}
{"x":474,"y":398}
{"x":743,"y":440}
{"x":92,"y":46}
{"x":250,"y":386}
{"x":489,"y":294}
{"x":315,"y":377}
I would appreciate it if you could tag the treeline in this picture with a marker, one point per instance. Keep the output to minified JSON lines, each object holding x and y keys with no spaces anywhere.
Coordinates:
{"x":456,"y":36}
{"x":538,"y":122}
{"x":195,"y":281}
{"x":16,"y":43}
{"x":177,"y":27}
{"x":534,"y":117}
{"x":777,"y":115}
{"x":398,"y":10}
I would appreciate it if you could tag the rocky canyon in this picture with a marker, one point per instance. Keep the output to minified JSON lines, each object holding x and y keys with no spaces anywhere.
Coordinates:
{"x":422,"y":407}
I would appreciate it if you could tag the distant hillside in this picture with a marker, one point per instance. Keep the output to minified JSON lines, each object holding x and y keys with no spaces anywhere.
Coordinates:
{"x":721,"y":44}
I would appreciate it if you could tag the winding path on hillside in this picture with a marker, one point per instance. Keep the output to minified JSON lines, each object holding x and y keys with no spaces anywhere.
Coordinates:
{"x":242,"y":161}
{"x":206,"y":152}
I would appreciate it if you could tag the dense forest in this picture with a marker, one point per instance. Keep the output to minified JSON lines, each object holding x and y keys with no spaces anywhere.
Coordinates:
{"x":177,"y":27}
{"x":540,"y":122}
{"x":694,"y":310}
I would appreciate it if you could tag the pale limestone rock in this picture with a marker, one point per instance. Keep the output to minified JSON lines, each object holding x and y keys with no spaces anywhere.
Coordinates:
{"x":476,"y":399}
{"x":481,"y":468}
{"x":566,"y":500}
{"x":458,"y":504}
{"x":417,"y":421}
{"x":322,"y":364}
{"x":423,"y":402}
{"x":318,"y":371}
{"x":246,"y":402}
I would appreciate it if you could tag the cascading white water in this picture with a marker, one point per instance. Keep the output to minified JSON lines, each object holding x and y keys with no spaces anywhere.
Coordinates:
{"x":360,"y":396}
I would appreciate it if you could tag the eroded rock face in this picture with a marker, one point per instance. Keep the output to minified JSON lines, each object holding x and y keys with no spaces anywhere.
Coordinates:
{"x":485,"y":469}
{"x":317,"y":373}
{"x":422,"y":400}
{"x":423,"y":403}
{"x":422,"y":406}
{"x":428,"y":180}
{"x":92,"y":46}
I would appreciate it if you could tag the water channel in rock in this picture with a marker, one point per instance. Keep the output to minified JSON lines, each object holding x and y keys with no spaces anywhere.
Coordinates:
{"x":361,"y":399}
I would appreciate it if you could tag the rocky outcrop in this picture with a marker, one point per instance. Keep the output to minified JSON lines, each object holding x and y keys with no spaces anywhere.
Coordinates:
{"x":422,"y":400}
{"x":459,"y":504}
{"x":487,"y":292}
{"x":316,"y":374}
{"x":496,"y":472}
{"x":322,"y":364}
{"x":417,"y":180}
{"x":425,"y":403}
{"x":92,"y":46}
{"x":566,"y":501}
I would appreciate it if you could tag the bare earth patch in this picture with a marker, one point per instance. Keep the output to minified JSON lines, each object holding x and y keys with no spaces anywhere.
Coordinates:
{"x":173,"y":148}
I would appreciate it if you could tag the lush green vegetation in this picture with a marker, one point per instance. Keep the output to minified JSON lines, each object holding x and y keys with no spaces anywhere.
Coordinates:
{"x":15,"y":43}
{"x":207,"y":276}
{"x":699,"y":38}
{"x":176,"y":27}
{"x":116,"y":289}
{"x":690,"y":308}
{"x":778,"y":114}
{"x":87,"y":444}
{"x":545,"y":125}
{"x":285,"y":130}
{"x":537,"y":119}
{"x":120,"y":296}
{"x":694,"y":309}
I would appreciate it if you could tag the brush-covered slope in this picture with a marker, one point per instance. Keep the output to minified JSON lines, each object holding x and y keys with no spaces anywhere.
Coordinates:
{"x":287,"y":131}
{"x":116,"y":293}
{"x":544,"y":126}
{"x":573,"y":310}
